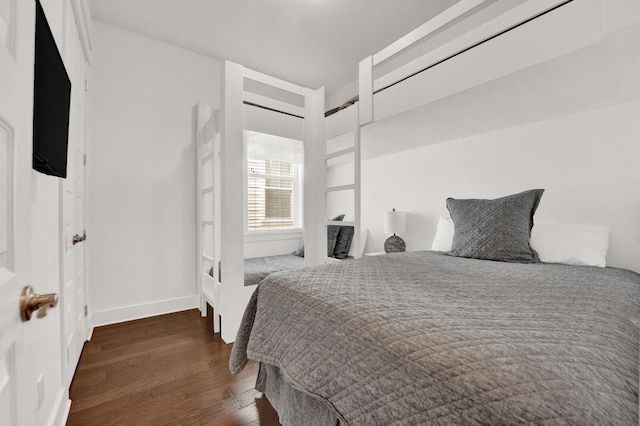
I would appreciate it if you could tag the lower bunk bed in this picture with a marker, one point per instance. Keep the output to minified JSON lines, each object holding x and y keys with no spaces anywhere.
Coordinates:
{"x":258,"y":268}
{"x":426,"y":338}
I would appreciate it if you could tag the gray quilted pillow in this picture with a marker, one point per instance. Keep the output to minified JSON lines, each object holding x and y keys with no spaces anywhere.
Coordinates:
{"x":497,"y":229}
{"x":332,"y":235}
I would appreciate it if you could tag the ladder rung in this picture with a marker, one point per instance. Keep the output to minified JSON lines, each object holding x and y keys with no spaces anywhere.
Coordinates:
{"x":339,"y":153}
{"x":207,"y":157}
{"x":207,"y":222}
{"x":207,"y":258}
{"x":207,"y":190}
{"x":340,"y":188}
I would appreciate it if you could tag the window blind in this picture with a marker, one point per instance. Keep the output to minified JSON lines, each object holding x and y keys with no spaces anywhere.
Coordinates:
{"x":274,"y":182}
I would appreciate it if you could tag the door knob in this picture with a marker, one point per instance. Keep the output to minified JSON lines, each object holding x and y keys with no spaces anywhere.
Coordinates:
{"x":30,"y":302}
{"x":79,"y":238}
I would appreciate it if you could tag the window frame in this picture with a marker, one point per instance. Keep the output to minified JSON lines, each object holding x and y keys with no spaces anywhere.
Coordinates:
{"x":297,"y":195}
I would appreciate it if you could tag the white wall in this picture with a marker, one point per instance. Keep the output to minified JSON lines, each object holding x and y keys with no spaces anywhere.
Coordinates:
{"x":270,"y":243}
{"x":141,"y":174}
{"x":586,"y":162}
{"x":515,"y":136}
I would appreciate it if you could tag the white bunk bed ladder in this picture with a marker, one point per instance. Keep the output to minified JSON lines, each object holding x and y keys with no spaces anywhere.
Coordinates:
{"x":208,"y":200}
{"x":342,"y":193}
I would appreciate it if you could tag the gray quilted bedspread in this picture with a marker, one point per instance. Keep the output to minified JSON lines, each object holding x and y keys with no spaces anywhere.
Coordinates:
{"x":257,"y":268}
{"x":424,"y":338}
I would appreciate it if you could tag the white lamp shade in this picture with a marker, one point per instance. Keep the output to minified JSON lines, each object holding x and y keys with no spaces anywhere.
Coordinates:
{"x":395,"y":222}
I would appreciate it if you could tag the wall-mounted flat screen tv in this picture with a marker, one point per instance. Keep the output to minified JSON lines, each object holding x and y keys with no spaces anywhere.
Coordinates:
{"x":51,"y":101}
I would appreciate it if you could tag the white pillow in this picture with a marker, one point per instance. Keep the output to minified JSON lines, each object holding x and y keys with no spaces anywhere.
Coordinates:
{"x":364,"y":232}
{"x":444,"y":235}
{"x":571,"y":244}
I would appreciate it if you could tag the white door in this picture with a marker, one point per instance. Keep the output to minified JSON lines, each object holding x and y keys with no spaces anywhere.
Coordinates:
{"x":16,"y":108}
{"x":73,"y":225}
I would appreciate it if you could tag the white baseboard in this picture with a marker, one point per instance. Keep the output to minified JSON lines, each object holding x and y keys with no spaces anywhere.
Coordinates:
{"x":144,"y":310}
{"x":62,"y":406}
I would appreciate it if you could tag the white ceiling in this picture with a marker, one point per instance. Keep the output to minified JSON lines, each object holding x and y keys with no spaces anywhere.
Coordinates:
{"x":312,"y":43}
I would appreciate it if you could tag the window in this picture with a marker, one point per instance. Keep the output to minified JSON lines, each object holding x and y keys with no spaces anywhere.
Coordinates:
{"x":274,"y":183}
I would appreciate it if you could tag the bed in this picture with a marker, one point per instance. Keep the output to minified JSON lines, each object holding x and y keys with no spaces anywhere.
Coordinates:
{"x":257,"y":268}
{"x":484,"y":333}
{"x":249,"y":101}
{"x":426,"y":338}
{"x":339,"y":247}
{"x":496,"y":39}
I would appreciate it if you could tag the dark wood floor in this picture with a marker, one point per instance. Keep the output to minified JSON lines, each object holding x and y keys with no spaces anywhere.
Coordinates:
{"x":165,"y":370}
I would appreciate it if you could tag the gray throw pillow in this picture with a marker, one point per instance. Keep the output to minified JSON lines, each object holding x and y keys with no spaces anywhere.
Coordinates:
{"x":300,"y":250}
{"x":332,"y":235}
{"x":497,"y":229}
{"x":343,"y":242}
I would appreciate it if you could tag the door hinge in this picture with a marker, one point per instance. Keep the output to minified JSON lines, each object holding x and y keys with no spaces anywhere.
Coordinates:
{"x":86,"y":85}
{"x":86,"y":311}
{"x":84,"y":160}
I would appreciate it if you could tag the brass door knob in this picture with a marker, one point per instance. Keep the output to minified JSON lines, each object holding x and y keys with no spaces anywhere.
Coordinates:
{"x":30,"y":302}
{"x":79,"y":238}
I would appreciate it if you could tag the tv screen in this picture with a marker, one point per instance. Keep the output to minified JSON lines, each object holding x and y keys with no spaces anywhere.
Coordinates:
{"x":51,"y":101}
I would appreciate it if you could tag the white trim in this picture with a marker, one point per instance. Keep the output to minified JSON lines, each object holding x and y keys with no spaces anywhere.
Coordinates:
{"x":273,"y":104}
{"x":429,"y":27}
{"x":340,"y":153}
{"x":233,"y":296}
{"x":365,"y":90}
{"x":340,"y":188}
{"x":357,"y":166}
{"x":272,"y":81}
{"x":82,"y":14}
{"x":143,"y":310}
{"x":61,"y":408}
{"x":273,"y":235}
{"x":278,"y":177}
{"x":485,"y":31}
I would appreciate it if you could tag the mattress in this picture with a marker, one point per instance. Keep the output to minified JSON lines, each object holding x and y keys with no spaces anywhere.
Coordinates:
{"x":424,"y":338}
{"x":257,"y":268}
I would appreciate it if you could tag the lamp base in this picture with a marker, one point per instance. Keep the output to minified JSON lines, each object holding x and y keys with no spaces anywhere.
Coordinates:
{"x":394,"y":244}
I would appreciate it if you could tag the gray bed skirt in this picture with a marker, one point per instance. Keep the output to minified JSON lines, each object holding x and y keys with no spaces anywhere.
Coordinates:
{"x":294,"y":407}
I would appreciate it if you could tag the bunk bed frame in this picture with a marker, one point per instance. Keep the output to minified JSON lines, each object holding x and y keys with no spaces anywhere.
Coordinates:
{"x":475,"y":38}
{"x":223,"y":129}
{"x":375,"y":103}
{"x":220,"y":185}
{"x":297,"y":406}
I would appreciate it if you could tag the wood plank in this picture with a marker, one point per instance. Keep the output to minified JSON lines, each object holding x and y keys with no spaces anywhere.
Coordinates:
{"x":165,"y":370}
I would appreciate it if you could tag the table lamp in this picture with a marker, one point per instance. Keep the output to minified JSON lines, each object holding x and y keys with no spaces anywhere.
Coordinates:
{"x":394,"y":222}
